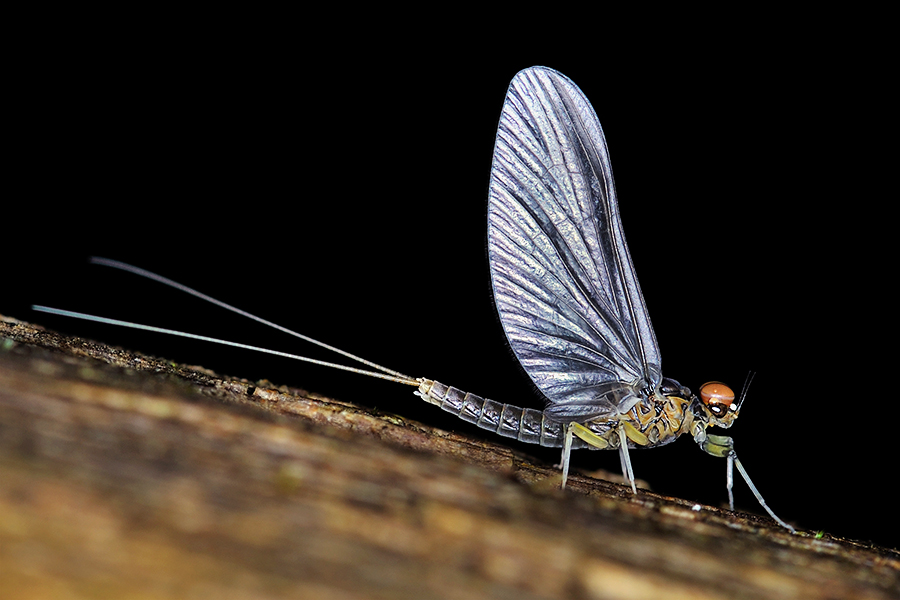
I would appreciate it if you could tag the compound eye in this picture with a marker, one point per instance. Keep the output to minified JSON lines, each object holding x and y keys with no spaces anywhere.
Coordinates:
{"x":718,"y":397}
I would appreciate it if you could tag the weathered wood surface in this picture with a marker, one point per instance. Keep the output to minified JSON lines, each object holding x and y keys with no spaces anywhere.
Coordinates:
{"x":126,"y":476}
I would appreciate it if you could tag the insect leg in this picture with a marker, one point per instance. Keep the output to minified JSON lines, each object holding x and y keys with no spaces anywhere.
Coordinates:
{"x":596,"y":441}
{"x":723,"y":446}
{"x":566,"y":454}
{"x":729,"y":480}
{"x":732,"y":458}
{"x":624,"y":458}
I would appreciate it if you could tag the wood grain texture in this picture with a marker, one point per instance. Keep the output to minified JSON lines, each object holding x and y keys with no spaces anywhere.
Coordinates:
{"x":125,"y":475}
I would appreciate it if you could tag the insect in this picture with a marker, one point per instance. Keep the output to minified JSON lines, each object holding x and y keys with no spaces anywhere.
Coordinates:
{"x":567,"y":296}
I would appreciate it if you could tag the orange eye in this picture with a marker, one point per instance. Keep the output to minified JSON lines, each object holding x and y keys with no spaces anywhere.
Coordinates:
{"x":718,"y":397}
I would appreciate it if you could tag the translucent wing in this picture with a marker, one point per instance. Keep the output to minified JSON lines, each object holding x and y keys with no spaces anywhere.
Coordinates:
{"x":563,"y":281}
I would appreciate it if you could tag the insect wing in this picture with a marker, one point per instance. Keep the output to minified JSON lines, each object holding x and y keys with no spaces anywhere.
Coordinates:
{"x":562,"y":277}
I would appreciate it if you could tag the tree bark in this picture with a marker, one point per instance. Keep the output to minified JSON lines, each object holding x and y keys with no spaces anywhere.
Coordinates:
{"x":123,"y":475}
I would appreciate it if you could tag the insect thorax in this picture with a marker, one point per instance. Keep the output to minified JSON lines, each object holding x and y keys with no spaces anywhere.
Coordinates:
{"x":659,"y":418}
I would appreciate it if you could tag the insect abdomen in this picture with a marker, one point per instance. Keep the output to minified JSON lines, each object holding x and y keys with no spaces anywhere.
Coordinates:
{"x":524,"y":424}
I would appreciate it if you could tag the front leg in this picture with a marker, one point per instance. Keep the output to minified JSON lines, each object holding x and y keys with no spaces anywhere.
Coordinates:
{"x":717,"y":445}
{"x":723,"y":446}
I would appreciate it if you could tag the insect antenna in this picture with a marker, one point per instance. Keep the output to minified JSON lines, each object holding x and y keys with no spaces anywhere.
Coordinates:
{"x":744,"y":389}
{"x":384,"y":373}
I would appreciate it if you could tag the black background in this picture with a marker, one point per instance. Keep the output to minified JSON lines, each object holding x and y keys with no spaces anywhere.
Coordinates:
{"x":346,"y":198}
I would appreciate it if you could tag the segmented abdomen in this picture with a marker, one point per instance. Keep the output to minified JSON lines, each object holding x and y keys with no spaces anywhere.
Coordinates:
{"x":660,"y":423}
{"x":524,"y":424}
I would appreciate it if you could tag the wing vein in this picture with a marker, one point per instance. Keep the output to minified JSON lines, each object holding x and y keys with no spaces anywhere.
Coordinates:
{"x":562,"y":276}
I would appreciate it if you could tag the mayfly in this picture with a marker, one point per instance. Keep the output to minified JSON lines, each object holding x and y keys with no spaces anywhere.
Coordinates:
{"x":567,"y":296}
